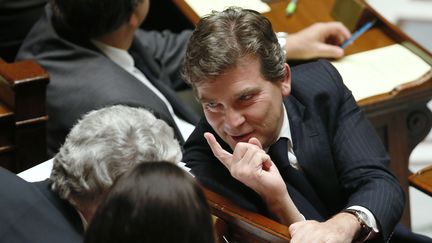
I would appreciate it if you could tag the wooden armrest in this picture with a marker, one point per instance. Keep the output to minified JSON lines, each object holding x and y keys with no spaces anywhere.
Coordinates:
{"x":422,"y":180}
{"x":22,"y":114}
{"x":243,"y":225}
{"x":23,"y":88}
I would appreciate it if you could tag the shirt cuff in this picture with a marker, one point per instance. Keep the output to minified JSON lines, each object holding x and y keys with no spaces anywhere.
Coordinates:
{"x":371,"y":217}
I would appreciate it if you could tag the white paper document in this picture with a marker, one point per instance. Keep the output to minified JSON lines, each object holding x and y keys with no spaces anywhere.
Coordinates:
{"x":202,"y":8}
{"x":381,"y":70}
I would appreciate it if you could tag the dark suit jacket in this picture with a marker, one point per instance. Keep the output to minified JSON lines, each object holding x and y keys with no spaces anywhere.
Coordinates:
{"x":31,"y":212}
{"x":334,"y":143}
{"x":83,"y":79}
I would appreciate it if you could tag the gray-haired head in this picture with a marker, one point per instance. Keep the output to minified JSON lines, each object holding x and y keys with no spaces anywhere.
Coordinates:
{"x":106,"y":143}
{"x":222,"y":38}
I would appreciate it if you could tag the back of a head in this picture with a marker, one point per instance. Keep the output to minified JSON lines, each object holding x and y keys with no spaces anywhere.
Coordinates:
{"x":106,"y":143}
{"x":220,"y":39}
{"x":155,"y":202}
{"x":91,"y":18}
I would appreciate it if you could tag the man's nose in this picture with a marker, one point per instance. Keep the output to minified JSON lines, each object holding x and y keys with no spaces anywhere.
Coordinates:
{"x":233,"y":119}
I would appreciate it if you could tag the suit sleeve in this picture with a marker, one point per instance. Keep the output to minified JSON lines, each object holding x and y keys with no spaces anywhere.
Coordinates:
{"x":361,"y":162}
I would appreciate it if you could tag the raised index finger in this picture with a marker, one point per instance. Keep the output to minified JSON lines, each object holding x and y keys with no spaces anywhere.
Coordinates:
{"x":224,"y":156}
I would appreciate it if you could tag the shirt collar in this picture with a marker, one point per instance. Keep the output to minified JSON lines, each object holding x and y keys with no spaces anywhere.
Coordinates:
{"x":285,"y":131}
{"x":119,"y":56}
{"x":83,"y":220}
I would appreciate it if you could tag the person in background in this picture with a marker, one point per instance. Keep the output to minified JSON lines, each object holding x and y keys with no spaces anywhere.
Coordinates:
{"x":102,"y":146}
{"x":154,"y":202}
{"x":291,"y":144}
{"x":16,"y":20}
{"x":97,"y":56}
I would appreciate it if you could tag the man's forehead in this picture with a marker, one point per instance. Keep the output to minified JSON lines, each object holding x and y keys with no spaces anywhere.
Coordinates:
{"x":202,"y":89}
{"x":237,"y":79}
{"x":209,"y":92}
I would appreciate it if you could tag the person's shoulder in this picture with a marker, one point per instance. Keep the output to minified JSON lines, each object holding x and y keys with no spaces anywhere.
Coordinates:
{"x":318,"y":74}
{"x":19,"y":184}
{"x":317,"y":80}
{"x":10,"y":177}
{"x":25,"y":207}
{"x":318,"y":69}
{"x":17,"y":189}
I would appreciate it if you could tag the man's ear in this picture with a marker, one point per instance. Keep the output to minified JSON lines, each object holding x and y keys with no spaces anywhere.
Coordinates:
{"x":139,"y":13}
{"x":286,"y":82}
{"x":134,"y":20}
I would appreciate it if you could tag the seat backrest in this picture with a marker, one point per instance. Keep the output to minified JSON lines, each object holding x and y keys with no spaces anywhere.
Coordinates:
{"x":22,"y":115}
{"x":241,"y":225}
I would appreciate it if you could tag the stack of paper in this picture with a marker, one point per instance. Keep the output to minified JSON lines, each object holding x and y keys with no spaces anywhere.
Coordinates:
{"x":381,"y":70}
{"x":202,"y":8}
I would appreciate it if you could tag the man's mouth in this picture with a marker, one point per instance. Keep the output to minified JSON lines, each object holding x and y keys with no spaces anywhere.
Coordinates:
{"x":242,"y":138}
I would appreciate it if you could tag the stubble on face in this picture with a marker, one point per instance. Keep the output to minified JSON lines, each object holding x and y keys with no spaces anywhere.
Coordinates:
{"x":262,"y":112}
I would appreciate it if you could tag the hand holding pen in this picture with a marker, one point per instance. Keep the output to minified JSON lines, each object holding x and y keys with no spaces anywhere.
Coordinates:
{"x":316,"y":41}
{"x":358,"y":33}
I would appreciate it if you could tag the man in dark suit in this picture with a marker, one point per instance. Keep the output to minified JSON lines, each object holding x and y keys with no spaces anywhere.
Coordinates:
{"x":286,"y":144}
{"x":101,"y":147}
{"x":96,"y":56}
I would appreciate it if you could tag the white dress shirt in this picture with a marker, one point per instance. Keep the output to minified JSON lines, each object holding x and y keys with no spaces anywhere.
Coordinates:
{"x":124,"y":60}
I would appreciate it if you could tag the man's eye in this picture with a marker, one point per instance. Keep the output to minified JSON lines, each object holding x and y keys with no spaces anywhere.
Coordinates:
{"x":245,"y":97}
{"x":211,"y":105}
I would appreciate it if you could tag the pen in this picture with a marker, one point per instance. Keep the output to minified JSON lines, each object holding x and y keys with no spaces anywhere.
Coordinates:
{"x":291,"y":7}
{"x":359,"y":32}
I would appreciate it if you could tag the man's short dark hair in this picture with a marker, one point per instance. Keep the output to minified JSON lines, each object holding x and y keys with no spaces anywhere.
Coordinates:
{"x":222,"y":38}
{"x":91,"y":18}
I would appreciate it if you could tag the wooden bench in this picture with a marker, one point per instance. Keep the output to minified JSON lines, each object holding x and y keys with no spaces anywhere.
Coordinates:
{"x":235,"y":224}
{"x":22,"y":115}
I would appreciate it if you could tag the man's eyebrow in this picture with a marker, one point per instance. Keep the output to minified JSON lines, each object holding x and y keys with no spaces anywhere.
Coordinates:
{"x":246,"y":91}
{"x":205,"y":100}
{"x":241,"y":93}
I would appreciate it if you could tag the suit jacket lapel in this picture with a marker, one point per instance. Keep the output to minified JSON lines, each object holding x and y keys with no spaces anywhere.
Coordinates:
{"x":313,"y":153}
{"x":142,"y":61}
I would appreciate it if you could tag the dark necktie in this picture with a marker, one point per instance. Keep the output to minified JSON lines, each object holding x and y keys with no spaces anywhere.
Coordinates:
{"x":297,"y":182}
